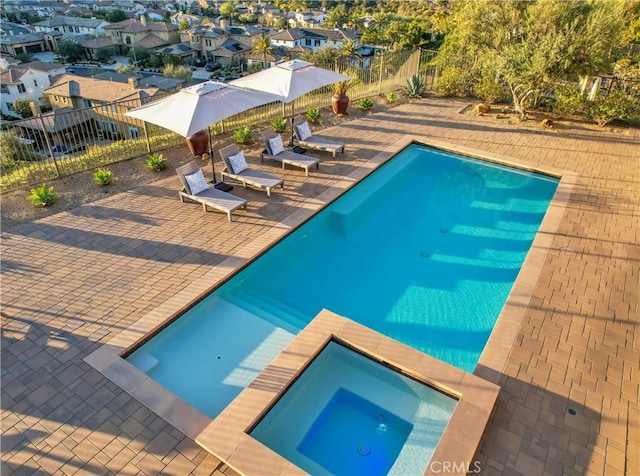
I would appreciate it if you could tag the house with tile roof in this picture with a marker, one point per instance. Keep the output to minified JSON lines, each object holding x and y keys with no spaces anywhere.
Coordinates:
{"x":224,"y":43}
{"x":72,"y":26}
{"x":36,"y":42}
{"x":141,"y":33}
{"x":105,"y":101}
{"x":314,"y":38}
{"x":26,"y":81}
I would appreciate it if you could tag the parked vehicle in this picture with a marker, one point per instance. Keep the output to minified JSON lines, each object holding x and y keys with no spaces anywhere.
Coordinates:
{"x":199,"y":62}
{"x":213,"y":67}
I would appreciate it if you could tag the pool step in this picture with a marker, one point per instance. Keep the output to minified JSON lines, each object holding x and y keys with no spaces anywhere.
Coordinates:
{"x":343,"y":214}
{"x":270,"y":309}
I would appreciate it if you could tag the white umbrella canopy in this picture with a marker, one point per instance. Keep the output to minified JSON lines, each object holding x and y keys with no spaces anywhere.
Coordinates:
{"x":197,"y":107}
{"x":290,"y":80}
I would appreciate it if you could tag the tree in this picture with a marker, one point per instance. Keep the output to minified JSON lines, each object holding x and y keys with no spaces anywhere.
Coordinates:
{"x":184,"y":24}
{"x":263,"y":47}
{"x":69,"y":51}
{"x":528,"y":46}
{"x":116,"y":16}
{"x":24,"y":57}
{"x":139,"y":55}
{"x":178,"y":72}
{"x":227,"y":10}
{"x":104,"y":54}
{"x":23,"y":107}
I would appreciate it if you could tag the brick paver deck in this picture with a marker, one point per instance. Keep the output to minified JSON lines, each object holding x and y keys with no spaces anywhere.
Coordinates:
{"x":72,"y":281}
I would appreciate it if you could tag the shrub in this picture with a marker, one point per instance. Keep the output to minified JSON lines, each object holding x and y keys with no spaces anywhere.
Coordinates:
{"x":568,"y":101}
{"x":365,"y":104}
{"x":451,"y":82}
{"x":242,"y":135}
{"x":490,"y":90}
{"x":43,"y":196}
{"x":103,"y":177}
{"x":615,"y":105}
{"x":156,"y":162}
{"x":392,"y":97}
{"x":279,"y":125}
{"x":415,"y":86}
{"x":313,"y":115}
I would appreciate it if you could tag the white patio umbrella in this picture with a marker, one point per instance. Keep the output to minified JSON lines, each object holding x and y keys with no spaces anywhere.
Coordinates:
{"x":290,"y":80}
{"x":196,"y":108}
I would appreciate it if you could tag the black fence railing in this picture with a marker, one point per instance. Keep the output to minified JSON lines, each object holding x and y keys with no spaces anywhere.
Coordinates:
{"x":70,"y":140}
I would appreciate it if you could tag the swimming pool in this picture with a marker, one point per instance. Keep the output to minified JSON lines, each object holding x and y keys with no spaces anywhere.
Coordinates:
{"x":424,"y":250}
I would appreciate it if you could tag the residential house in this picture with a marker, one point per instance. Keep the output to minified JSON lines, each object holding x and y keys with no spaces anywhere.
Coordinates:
{"x":182,"y":51}
{"x":313,"y":39}
{"x":307,"y":18}
{"x":192,"y":20}
{"x":107,"y":100}
{"x":30,"y":43}
{"x":72,"y":26}
{"x":42,"y":8}
{"x":12,"y":29}
{"x":153,"y":81}
{"x":142,"y":34}
{"x":26,"y":81}
{"x":224,"y":44}
{"x":92,"y":45}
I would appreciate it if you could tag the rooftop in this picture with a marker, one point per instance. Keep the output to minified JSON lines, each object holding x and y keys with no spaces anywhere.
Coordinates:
{"x":75,"y":280}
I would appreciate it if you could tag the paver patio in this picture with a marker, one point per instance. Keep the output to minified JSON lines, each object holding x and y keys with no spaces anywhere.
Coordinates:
{"x":73,"y":281}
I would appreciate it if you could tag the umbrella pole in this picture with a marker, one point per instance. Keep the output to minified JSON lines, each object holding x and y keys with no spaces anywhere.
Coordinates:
{"x":292,"y":118}
{"x":225,"y":187}
{"x":213,"y":168}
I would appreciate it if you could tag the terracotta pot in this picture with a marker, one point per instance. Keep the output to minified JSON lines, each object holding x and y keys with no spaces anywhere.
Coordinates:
{"x":339,"y":103}
{"x":198,"y":143}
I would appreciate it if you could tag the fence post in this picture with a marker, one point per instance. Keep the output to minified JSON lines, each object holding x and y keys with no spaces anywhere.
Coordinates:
{"x":46,"y":139}
{"x":381,"y":70}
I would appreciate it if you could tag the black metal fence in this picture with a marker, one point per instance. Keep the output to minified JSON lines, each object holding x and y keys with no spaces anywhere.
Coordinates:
{"x":68,"y":140}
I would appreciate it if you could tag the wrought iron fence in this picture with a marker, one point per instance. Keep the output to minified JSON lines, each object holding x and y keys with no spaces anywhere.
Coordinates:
{"x":67,"y":140}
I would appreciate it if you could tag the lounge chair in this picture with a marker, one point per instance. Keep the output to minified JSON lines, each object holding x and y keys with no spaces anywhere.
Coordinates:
{"x":303,"y":136}
{"x":232,"y":156}
{"x":271,"y":140}
{"x":193,"y":180}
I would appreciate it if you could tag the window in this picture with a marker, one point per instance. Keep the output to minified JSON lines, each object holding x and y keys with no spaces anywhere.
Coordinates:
{"x":134,"y":132}
{"x":4,"y":89}
{"x":10,"y":106}
{"x":35,"y":83}
{"x":85,"y":103}
{"x":21,"y":88}
{"x":65,"y":100}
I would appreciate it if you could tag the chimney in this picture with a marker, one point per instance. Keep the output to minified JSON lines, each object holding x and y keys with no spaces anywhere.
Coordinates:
{"x":143,"y":20}
{"x":35,"y":108}
{"x":223,"y":23}
{"x":133,"y":83}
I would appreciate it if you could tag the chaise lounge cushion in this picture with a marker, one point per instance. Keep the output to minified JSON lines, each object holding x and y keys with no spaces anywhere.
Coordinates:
{"x":303,"y":131}
{"x":276,"y":145}
{"x":196,"y":182}
{"x":238,"y":162}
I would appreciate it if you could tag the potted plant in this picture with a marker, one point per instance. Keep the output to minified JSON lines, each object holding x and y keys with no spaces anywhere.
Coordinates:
{"x":340,"y":100}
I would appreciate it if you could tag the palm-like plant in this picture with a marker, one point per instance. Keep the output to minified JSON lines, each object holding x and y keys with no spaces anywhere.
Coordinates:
{"x":264,"y":47}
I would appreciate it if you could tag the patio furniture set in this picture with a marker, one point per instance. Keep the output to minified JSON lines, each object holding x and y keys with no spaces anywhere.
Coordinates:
{"x":195,"y":187}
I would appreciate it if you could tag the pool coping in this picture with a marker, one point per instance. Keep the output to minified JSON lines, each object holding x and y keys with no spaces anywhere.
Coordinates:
{"x":227,"y":436}
{"x":108,"y":358}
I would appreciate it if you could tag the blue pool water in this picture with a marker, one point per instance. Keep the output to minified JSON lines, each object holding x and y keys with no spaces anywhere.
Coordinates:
{"x":424,"y":250}
{"x":348,"y":415}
